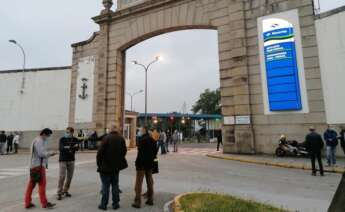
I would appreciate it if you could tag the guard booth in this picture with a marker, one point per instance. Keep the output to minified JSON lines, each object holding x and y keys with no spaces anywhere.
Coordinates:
{"x":130,"y":128}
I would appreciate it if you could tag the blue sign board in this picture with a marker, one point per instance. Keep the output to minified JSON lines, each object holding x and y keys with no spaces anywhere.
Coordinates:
{"x":284,"y":93}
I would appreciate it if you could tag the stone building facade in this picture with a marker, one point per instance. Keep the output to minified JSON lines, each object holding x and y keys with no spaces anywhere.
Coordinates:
{"x":236,"y":22}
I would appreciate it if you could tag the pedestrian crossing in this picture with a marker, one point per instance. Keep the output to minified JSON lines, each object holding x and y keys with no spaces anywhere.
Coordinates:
{"x":6,"y":173}
{"x":13,"y":172}
{"x":196,"y":151}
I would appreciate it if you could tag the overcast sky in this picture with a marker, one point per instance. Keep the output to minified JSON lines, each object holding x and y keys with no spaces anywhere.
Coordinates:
{"x":47,"y":28}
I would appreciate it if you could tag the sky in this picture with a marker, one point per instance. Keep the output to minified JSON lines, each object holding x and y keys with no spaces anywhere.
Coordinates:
{"x":46,"y":29}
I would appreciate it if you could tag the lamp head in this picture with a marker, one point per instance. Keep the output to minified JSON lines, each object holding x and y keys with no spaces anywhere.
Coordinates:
{"x":159,"y":58}
{"x":135,"y":62}
{"x":13,"y":41}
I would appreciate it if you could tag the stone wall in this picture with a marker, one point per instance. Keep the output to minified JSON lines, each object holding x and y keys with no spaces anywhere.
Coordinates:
{"x":81,"y":50}
{"x":268,"y":128}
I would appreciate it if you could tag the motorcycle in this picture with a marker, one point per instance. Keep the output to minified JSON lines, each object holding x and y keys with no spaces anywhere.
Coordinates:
{"x":290,"y":147}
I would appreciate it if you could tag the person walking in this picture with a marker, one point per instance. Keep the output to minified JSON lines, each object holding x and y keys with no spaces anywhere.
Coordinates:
{"x":168,"y":136}
{"x":164,"y":139}
{"x":10,"y":143}
{"x":111,"y":159}
{"x":81,"y":139}
{"x":16,"y":140}
{"x":3,"y":139}
{"x":161,"y":142}
{"x":342,"y":138}
{"x":147,"y":152}
{"x":38,"y":165}
{"x":314,"y":145}
{"x":331,"y":138}
{"x":68,"y":146}
{"x":175,"y":140}
{"x":218,"y":135}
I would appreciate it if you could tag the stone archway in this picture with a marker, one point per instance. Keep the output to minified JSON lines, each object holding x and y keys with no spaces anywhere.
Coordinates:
{"x":102,"y":56}
{"x":124,"y":28}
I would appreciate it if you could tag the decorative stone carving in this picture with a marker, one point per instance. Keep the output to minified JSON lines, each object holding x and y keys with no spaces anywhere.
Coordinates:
{"x":107,"y":5}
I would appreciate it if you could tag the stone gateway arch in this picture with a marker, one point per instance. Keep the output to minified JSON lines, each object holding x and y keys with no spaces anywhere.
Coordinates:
{"x":248,"y":128}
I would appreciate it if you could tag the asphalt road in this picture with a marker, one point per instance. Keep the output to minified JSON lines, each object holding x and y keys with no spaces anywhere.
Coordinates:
{"x":186,"y":171}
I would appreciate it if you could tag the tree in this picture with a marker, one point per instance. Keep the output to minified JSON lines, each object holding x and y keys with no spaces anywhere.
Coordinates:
{"x":208,"y":103}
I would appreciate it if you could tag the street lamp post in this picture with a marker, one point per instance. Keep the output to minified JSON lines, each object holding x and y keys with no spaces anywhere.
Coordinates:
{"x":132,"y":95}
{"x":24,"y":63}
{"x":146,"y":69}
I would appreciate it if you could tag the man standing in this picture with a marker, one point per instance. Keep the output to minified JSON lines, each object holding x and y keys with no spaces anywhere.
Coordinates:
{"x":16,"y":141}
{"x":331,"y":138}
{"x":39,"y":163}
{"x":314,"y":145}
{"x":9,"y":143}
{"x":147,"y":152}
{"x":111,"y":159}
{"x":3,"y":139}
{"x":68,"y":146}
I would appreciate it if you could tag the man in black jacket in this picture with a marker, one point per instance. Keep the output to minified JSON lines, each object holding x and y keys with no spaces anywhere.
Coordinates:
{"x":3,"y":139}
{"x":68,"y":146}
{"x":147,"y":152}
{"x":111,"y":159}
{"x":314,"y":145}
{"x":9,"y":143}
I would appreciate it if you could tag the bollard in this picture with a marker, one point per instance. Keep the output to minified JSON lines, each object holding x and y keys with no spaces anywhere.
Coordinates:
{"x":337,"y":204}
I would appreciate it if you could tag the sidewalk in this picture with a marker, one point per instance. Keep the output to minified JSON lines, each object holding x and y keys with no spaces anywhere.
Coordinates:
{"x":285,"y":162}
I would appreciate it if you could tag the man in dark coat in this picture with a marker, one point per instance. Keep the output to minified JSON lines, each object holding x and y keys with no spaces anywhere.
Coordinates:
{"x":218,"y":135}
{"x":314,"y":145}
{"x":68,"y":145}
{"x":10,"y":143}
{"x":3,"y":139}
{"x":147,"y":152}
{"x":111,"y":159}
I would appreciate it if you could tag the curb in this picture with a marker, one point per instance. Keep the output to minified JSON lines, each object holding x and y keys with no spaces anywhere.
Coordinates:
{"x":274,"y":164}
{"x":176,"y":204}
{"x":168,"y":206}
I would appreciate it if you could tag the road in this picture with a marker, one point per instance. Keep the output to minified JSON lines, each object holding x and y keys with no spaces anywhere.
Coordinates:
{"x":189,"y":170}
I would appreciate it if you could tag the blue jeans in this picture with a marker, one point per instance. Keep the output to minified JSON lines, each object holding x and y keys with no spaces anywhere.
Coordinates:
{"x":107,"y":181}
{"x":331,"y":160}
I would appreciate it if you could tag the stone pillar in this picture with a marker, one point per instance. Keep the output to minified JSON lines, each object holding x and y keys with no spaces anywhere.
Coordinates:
{"x":133,"y":132}
{"x":235,"y":85}
{"x":102,"y":70}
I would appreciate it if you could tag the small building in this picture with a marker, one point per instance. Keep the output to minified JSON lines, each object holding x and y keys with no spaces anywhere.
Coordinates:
{"x":189,"y":124}
{"x":130,"y":128}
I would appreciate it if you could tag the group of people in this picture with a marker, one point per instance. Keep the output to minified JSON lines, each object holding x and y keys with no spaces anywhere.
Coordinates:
{"x":39,"y":156}
{"x":9,"y":143}
{"x":314,"y":145}
{"x":165,"y":138}
{"x":110,"y":159}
